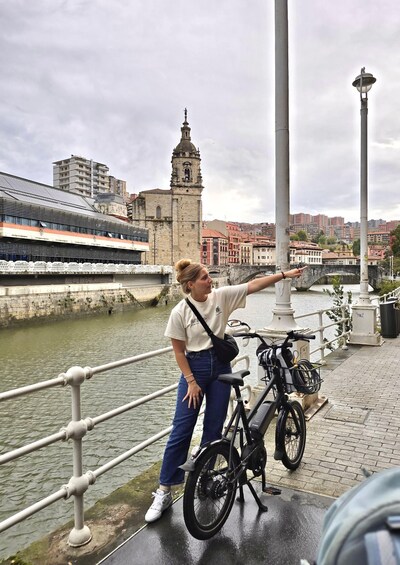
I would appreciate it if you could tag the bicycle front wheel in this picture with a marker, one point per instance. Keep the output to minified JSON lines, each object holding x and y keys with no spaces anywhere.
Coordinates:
{"x":291,"y":438}
{"x":209,"y":492}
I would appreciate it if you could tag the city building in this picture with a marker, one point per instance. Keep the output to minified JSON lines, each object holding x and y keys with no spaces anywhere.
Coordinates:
{"x":305,"y":253}
{"x":232,"y":231}
{"x":42,"y":223}
{"x":111,"y":205}
{"x":339,"y":258}
{"x":86,"y":177}
{"x":215,"y":248}
{"x":264,"y":254}
{"x":300,"y":253}
{"x":378,"y":237}
{"x":173,"y":217}
{"x":246,"y":253}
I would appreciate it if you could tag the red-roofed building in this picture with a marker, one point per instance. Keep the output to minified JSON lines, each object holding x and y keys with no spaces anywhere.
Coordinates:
{"x":214,"y":247}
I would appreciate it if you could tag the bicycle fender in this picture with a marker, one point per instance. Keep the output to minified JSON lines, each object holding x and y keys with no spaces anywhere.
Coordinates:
{"x":190,"y":464}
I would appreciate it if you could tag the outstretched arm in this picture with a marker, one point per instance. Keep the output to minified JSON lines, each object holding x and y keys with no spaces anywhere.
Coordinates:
{"x":263,"y":282}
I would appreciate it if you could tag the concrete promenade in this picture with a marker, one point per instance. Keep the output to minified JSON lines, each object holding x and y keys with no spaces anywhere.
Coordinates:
{"x":358,"y":428}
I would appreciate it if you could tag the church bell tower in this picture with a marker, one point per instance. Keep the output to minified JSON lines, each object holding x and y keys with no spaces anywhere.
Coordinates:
{"x":186,"y":188}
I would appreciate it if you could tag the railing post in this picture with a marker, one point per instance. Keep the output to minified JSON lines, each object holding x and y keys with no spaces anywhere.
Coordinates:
{"x":321,"y":336}
{"x":344,"y":320}
{"x":80,"y":534}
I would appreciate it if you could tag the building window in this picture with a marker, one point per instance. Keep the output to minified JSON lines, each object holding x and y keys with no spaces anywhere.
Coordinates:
{"x":158,"y":212}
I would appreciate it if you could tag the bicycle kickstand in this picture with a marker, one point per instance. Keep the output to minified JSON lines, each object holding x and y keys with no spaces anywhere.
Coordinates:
{"x":269,"y":489}
{"x":260,"y":505}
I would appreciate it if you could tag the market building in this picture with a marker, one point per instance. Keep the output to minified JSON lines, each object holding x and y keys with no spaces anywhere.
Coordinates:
{"x":42,"y":223}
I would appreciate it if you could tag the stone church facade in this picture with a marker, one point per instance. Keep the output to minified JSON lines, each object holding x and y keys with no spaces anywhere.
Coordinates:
{"x":174,"y":217}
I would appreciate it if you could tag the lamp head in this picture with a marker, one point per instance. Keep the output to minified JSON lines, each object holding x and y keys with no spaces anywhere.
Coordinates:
{"x":364,"y":81}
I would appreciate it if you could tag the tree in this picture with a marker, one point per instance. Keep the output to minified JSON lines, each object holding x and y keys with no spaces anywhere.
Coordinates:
{"x":316,"y":238}
{"x":294,"y":237}
{"x":356,"y":247}
{"x":302,"y":235}
{"x":340,"y":309}
{"x":395,"y":241}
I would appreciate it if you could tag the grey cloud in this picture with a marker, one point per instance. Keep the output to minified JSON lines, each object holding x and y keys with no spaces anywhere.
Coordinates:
{"x":110,"y":80}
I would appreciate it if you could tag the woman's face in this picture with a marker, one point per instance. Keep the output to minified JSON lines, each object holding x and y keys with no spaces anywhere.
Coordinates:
{"x":202,"y":285}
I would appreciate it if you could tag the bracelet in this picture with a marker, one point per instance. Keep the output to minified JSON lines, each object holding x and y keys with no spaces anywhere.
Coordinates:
{"x":192,"y":381}
{"x":189,"y":375}
{"x":283,"y":275}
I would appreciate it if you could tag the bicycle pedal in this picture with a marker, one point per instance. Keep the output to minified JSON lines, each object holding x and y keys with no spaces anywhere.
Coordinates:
{"x":272,"y":490}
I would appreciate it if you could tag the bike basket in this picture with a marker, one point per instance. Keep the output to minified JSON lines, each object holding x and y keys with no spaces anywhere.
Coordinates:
{"x":305,"y":377}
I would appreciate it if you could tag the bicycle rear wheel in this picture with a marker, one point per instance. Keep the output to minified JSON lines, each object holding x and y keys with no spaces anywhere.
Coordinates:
{"x":291,"y":439}
{"x":209,"y":492}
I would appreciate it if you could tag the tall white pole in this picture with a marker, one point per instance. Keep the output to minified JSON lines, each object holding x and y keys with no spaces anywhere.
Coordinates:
{"x":282,"y":313}
{"x":364,"y":327}
{"x":364,"y":296}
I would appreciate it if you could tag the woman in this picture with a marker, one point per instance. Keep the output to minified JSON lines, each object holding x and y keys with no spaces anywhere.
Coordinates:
{"x":199,"y":366}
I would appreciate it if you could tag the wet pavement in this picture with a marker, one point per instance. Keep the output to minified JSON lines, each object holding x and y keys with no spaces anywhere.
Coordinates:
{"x":290,"y":530}
{"x":356,"y":431}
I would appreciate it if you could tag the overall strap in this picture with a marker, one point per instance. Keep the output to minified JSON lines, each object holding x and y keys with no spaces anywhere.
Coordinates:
{"x":199,"y":317}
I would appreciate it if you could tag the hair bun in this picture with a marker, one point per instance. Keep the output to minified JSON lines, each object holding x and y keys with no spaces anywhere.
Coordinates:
{"x":182,"y":264}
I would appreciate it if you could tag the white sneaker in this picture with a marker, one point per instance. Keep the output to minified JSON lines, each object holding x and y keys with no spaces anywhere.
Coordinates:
{"x":162,"y":501}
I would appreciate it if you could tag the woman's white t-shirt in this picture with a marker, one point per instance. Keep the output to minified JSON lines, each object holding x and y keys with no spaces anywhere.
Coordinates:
{"x":221,"y":302}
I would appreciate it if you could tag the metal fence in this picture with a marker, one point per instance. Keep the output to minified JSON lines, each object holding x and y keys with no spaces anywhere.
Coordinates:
{"x":59,"y":267}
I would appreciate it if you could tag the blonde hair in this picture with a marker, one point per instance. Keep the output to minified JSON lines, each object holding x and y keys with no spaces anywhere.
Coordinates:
{"x":187,"y":271}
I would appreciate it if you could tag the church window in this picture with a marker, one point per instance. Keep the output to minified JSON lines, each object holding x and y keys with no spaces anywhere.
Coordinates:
{"x":158,"y":212}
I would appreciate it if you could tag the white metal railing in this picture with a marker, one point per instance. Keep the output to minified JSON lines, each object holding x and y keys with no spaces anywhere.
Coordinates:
{"x":40,"y":267}
{"x":324,"y":322}
{"x":78,"y":427}
{"x":392,"y":294}
{"x":76,"y":430}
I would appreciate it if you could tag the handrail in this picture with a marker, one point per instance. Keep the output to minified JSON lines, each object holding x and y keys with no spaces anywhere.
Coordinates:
{"x":38,"y":267}
{"x":78,"y":427}
{"x":392,"y":294}
{"x":340,"y":340}
{"x":76,"y":430}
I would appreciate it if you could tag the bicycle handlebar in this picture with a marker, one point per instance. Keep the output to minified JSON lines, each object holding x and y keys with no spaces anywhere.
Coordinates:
{"x":291,"y":335}
{"x":296,"y":336}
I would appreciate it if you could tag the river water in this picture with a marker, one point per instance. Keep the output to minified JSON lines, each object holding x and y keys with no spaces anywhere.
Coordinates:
{"x":40,"y":352}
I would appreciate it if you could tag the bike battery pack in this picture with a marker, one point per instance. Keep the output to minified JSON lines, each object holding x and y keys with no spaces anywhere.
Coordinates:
{"x":261,"y":420}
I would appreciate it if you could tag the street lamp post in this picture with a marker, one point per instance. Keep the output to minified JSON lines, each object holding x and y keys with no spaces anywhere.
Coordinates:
{"x":283,"y":319}
{"x":364,"y":312}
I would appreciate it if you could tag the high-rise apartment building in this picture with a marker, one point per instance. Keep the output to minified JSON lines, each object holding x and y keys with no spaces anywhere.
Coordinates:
{"x":86,"y":177}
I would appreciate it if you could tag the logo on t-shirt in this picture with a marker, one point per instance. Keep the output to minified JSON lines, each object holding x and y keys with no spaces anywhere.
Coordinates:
{"x":218,"y":310}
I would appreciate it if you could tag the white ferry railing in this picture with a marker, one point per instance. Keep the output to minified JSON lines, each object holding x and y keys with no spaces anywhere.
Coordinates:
{"x":78,"y":427}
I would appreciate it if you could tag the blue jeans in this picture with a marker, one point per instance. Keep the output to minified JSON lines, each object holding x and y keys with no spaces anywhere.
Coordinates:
{"x":205,"y":367}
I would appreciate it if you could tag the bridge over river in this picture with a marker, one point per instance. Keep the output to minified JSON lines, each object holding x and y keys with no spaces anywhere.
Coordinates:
{"x":236,"y":274}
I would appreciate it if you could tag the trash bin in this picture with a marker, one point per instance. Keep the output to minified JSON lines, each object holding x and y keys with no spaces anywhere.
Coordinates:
{"x":396,"y":305}
{"x":389,"y":324}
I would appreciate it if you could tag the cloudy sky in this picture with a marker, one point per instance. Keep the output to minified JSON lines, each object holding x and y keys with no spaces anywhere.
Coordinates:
{"x":109,"y":80}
